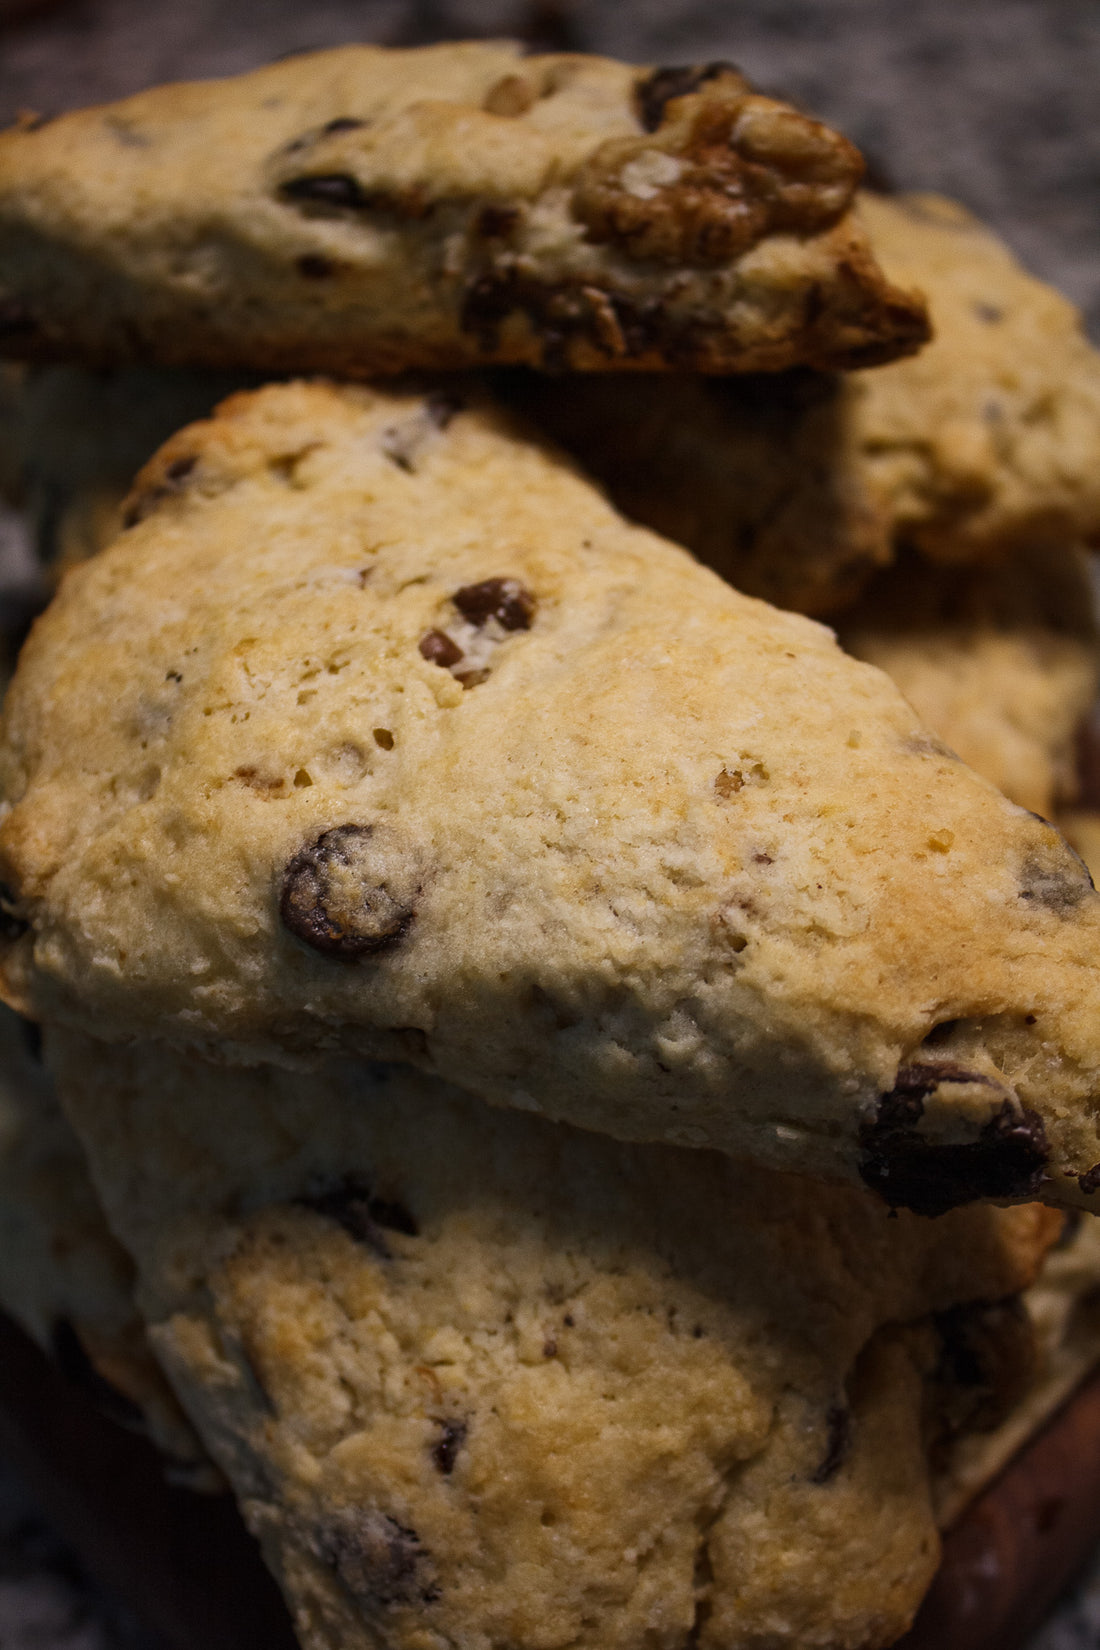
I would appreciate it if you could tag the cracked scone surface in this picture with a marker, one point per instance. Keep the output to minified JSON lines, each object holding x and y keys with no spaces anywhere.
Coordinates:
{"x":379,"y":730}
{"x":63,"y":1275}
{"x":798,"y":487}
{"x":480,"y":1380}
{"x":362,"y":210}
{"x":1002,"y":663}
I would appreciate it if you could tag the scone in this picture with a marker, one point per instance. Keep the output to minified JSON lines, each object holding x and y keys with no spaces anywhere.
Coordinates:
{"x":364,"y":211}
{"x":483,"y":1380}
{"x":797,"y":487}
{"x":380,"y":731}
{"x":1002,"y":663}
{"x":63,"y":1276}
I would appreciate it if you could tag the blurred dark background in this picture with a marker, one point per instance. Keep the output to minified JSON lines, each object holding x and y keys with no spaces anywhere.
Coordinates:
{"x":996,"y":102}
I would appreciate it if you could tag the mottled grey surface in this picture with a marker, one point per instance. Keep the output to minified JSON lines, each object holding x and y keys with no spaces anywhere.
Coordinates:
{"x":994,"y":101}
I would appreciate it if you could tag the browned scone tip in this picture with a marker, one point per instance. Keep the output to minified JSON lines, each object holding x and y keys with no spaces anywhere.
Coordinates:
{"x":444,"y":206}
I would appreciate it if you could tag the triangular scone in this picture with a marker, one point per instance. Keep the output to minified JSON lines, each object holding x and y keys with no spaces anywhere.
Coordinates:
{"x":1001,"y":662}
{"x":797,"y":487}
{"x":380,"y":731}
{"x":481,"y":1379}
{"x":361,"y":211}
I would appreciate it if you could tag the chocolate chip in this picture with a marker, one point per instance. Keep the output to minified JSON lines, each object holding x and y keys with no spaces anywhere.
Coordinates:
{"x":445,"y":1451}
{"x":331,"y":189}
{"x":314,"y":267}
{"x":363,"y":1217}
{"x":12,"y":925}
{"x":342,"y":123}
{"x":438,"y":648}
{"x":909,"y":1171}
{"x":838,"y":1433}
{"x":379,"y":1561}
{"x":71,"y":1357}
{"x":504,"y":600}
{"x":1089,"y":1182}
{"x":653,"y":94}
{"x":351,"y":893}
{"x":16,"y":319}
{"x":496,"y":223}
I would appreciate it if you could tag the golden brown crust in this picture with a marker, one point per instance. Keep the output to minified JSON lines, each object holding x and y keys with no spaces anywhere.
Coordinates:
{"x":443,"y":207}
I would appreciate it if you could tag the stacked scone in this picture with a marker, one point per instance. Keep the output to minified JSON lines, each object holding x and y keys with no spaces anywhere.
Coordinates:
{"x":570,"y":1062}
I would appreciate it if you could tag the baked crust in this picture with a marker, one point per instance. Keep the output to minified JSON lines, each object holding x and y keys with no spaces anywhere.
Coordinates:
{"x":363,"y":211}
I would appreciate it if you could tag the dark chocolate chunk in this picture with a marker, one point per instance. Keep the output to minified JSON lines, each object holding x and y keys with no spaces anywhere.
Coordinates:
{"x":363,"y":1217}
{"x":838,"y":1433}
{"x":349,"y":894}
{"x":1089,"y":1182}
{"x":330,"y":189}
{"x":653,"y":94}
{"x":315,"y":267}
{"x":909,"y":1171}
{"x":504,"y":600}
{"x":12,"y":925}
{"x":379,"y":1561}
{"x":438,"y":648}
{"x":71,"y":1357}
{"x":448,"y":1446}
{"x":15,"y":318}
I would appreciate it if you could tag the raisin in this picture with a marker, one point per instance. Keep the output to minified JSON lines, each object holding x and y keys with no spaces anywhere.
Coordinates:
{"x":504,"y":600}
{"x":908,"y":1171}
{"x":350,"y":893}
{"x":332,"y":189}
{"x":438,"y":648}
{"x":653,"y":94}
{"x":448,"y":1446}
{"x":363,"y":1217}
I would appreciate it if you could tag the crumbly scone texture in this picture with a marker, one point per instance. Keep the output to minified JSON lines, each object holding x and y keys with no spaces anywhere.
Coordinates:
{"x":364,"y":211}
{"x":797,"y":487}
{"x":1002,"y":663}
{"x":379,"y":730}
{"x":63,"y":1275}
{"x":481,"y":1380}
{"x":72,"y":441}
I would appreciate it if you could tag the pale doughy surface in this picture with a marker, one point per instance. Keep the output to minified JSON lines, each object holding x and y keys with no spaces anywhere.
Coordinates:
{"x":63,"y":1275}
{"x":797,"y":487}
{"x":1002,"y":663}
{"x":363,"y":210}
{"x":670,"y":865}
{"x":483,"y":1380}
